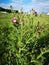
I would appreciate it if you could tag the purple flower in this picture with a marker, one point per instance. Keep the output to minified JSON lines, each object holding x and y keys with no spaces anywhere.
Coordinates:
{"x":14,"y":19}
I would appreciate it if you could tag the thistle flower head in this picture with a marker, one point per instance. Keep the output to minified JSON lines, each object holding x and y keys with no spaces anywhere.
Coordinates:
{"x":14,"y":19}
{"x":23,"y":21}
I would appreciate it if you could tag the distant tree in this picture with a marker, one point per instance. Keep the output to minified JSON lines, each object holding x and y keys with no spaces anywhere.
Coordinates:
{"x":8,"y":10}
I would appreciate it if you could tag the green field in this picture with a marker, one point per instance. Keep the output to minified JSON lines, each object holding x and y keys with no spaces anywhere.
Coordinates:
{"x":25,"y":42}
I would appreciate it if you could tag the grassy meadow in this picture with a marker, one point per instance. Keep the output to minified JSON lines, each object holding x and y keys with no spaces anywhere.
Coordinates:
{"x":25,"y":42}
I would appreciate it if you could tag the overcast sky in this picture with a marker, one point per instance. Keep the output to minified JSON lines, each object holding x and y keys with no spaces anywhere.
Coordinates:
{"x":38,"y":5}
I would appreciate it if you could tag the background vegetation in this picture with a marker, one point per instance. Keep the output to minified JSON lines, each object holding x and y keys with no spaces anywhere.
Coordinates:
{"x":7,"y":10}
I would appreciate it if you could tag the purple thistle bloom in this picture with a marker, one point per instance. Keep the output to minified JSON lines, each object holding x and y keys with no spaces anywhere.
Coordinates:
{"x":14,"y":19}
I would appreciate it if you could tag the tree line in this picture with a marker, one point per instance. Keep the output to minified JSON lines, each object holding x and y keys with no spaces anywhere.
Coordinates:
{"x":7,"y":10}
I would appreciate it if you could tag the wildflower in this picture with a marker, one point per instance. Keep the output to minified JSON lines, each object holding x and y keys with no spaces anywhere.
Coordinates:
{"x":39,"y":30}
{"x":35,"y":13}
{"x":14,"y":20}
{"x":23,"y":21}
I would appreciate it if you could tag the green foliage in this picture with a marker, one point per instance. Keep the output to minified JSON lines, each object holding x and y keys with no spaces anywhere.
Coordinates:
{"x":25,"y":42}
